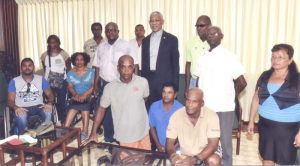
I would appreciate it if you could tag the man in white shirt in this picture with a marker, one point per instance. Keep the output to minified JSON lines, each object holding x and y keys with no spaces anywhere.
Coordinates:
{"x":91,"y":45}
{"x":136,"y":43}
{"x":221,"y":79}
{"x":106,"y":62}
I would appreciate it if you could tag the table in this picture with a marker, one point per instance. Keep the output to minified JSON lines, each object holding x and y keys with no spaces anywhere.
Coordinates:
{"x":116,"y":155}
{"x":45,"y":148}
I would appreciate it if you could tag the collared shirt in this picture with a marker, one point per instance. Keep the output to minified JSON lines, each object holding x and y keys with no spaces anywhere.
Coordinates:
{"x":217,"y":70}
{"x":128,"y":108}
{"x":137,"y":51}
{"x":159,"y":118}
{"x":107,"y":57}
{"x":154,"y":47}
{"x":90,"y":47}
{"x":195,"y":48}
{"x":193,"y":139}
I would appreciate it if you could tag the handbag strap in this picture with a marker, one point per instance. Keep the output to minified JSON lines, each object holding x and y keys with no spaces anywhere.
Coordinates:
{"x":49,"y":61}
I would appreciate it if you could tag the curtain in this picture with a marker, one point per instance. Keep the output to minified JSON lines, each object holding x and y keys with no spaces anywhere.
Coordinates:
{"x":250,"y":27}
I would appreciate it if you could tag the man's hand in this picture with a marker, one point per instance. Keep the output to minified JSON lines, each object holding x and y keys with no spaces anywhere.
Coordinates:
{"x":185,"y":160}
{"x":251,"y":128}
{"x":161,"y":148}
{"x":93,"y":137}
{"x":47,"y":107}
{"x":297,"y":140}
{"x":20,"y":111}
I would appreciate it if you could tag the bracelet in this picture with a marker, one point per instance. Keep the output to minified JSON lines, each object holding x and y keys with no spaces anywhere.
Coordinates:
{"x":198,"y":161}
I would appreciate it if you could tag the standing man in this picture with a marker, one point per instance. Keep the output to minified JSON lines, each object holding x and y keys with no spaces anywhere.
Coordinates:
{"x":91,"y":45}
{"x":221,"y":79}
{"x":136,"y":44}
{"x":126,"y":97}
{"x":195,"y":48}
{"x":25,"y":96}
{"x":198,"y":131}
{"x":160,"y":58}
{"x":106,"y":62}
{"x":160,"y":113}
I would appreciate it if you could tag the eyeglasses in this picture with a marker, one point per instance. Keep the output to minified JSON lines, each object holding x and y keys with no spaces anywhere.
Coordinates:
{"x":200,"y":25}
{"x":28,"y":87}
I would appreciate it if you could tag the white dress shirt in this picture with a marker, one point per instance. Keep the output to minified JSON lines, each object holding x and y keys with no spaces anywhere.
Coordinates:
{"x":154,"y":47}
{"x":107,"y":56}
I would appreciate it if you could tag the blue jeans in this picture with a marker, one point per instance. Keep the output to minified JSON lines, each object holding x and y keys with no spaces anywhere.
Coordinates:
{"x":193,"y":82}
{"x":21,"y":121}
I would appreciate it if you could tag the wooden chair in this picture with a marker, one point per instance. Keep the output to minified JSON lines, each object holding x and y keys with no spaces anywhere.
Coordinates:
{"x":237,"y":126}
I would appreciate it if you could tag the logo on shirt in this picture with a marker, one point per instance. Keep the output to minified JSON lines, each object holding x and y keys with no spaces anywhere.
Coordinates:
{"x":29,"y":93}
{"x":136,"y":89}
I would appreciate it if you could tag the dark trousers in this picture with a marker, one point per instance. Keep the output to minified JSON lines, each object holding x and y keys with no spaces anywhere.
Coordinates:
{"x":107,"y":123}
{"x":226,"y":123}
{"x":60,"y":103}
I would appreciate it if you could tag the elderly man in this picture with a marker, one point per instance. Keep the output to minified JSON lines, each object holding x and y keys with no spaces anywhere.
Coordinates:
{"x":126,"y":97}
{"x":197,"y":130}
{"x":160,"y":58}
{"x":106,"y":61}
{"x":25,"y":96}
{"x":195,"y":48}
{"x":221,"y":79}
{"x":91,"y":45}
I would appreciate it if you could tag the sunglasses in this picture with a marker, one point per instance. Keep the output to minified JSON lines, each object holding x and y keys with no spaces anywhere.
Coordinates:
{"x":28,"y":87}
{"x":200,"y":25}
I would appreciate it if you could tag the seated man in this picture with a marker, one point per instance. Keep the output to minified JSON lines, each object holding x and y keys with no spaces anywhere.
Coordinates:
{"x":160,"y":113}
{"x":198,"y":132}
{"x":25,"y":96}
{"x":126,"y":97}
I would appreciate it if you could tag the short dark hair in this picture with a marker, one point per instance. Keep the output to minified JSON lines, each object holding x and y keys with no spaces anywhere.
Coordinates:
{"x":86,"y":58}
{"x":170,"y":84}
{"x":286,"y":47}
{"x":56,"y":38}
{"x":96,"y":24}
{"x":27,"y":60}
{"x":139,"y":25}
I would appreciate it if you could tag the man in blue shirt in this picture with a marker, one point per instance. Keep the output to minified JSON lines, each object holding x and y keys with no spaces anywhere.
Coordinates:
{"x":160,"y":113}
{"x":25,"y":96}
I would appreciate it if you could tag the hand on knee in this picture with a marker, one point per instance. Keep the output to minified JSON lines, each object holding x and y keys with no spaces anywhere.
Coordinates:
{"x":213,"y":160}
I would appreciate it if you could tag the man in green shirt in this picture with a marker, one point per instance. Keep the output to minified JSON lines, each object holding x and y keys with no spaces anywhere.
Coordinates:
{"x":195,"y":48}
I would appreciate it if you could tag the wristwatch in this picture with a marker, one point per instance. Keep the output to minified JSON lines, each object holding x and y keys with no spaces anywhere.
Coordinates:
{"x":198,"y":161}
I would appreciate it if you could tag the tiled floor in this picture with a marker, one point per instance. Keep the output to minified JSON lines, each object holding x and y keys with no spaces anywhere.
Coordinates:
{"x":248,"y":152}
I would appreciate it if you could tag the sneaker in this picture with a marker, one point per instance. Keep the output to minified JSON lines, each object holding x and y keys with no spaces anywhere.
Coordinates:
{"x":111,"y":141}
{"x":83,"y":136}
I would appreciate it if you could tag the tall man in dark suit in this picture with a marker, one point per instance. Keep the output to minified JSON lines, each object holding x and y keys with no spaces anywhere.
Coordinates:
{"x":160,"y":58}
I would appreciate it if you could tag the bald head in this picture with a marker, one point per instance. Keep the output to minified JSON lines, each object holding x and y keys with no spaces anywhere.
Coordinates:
{"x":124,"y":58}
{"x":112,"y":24}
{"x":197,"y":92}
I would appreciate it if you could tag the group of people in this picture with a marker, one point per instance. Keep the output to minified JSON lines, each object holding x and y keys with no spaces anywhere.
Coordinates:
{"x":137,"y":83}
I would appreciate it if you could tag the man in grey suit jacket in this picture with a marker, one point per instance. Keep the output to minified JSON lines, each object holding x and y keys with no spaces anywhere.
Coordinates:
{"x":160,"y":58}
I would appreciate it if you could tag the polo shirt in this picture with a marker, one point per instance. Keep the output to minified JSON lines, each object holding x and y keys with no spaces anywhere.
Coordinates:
{"x":217,"y":70}
{"x":193,"y":139}
{"x":107,"y":56}
{"x":128,"y":108}
{"x":159,"y":118}
{"x":194,"y":49}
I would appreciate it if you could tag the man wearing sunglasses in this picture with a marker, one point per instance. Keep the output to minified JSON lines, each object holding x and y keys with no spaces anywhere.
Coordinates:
{"x":25,"y":96}
{"x":195,"y":48}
